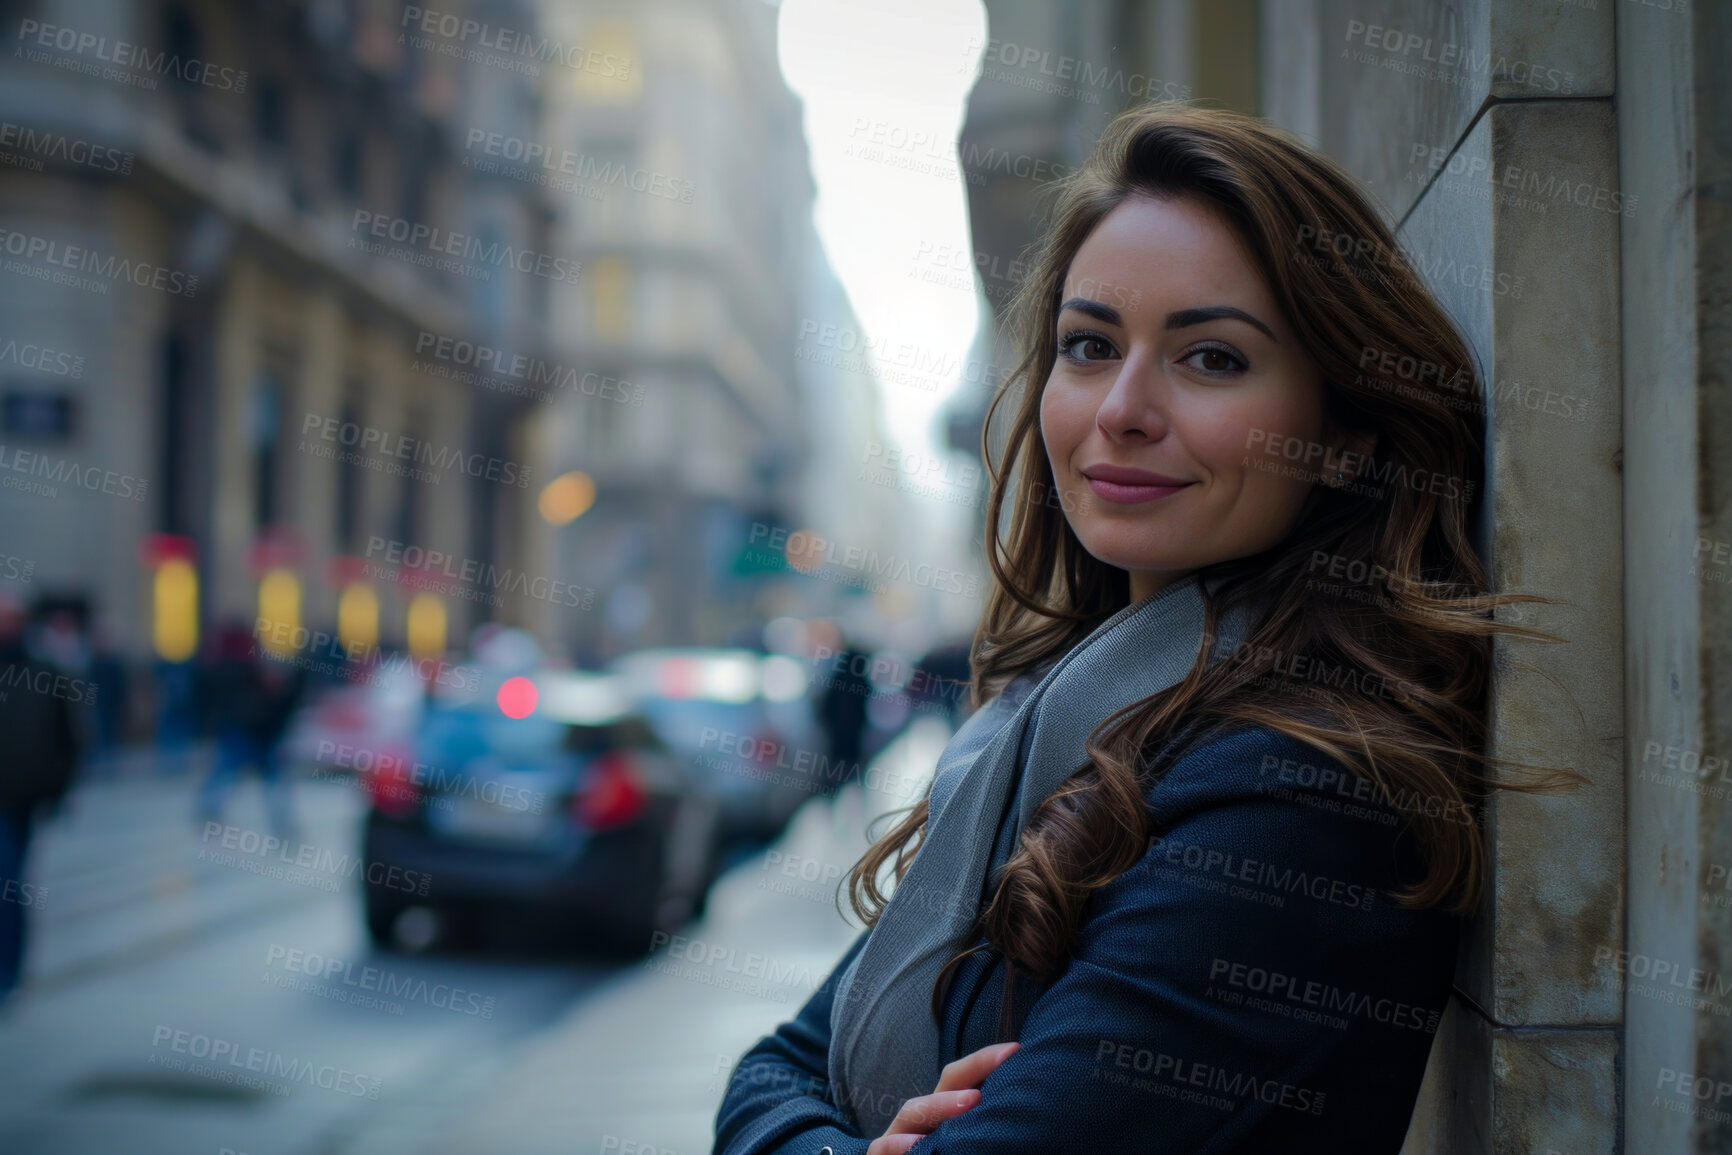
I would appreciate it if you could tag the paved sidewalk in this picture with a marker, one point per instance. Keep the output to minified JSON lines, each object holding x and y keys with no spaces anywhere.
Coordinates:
{"x":644,"y":1060}
{"x":128,"y":872}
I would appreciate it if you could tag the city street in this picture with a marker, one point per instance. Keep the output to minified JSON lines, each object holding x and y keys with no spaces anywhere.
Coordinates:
{"x":188,"y":992}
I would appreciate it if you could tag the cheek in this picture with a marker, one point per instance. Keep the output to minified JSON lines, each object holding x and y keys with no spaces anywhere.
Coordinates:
{"x":1065,"y":420}
{"x":1233,"y":436}
{"x":1221,"y":437}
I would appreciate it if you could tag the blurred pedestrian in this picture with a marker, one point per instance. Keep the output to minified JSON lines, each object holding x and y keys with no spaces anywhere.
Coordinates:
{"x":58,"y":639}
{"x":842,"y":713}
{"x":108,"y":671}
{"x":55,"y":636}
{"x":941,"y":681}
{"x":36,"y":770}
{"x":252,"y":698}
{"x":177,"y":705}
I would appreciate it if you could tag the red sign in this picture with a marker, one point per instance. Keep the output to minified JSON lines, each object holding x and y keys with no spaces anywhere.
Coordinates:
{"x":345,"y":571}
{"x":278,"y":547}
{"x":157,"y":548}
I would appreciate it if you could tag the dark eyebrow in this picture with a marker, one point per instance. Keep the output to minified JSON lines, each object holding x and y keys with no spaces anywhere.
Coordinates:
{"x":1100,"y":312}
{"x":1185,"y":318}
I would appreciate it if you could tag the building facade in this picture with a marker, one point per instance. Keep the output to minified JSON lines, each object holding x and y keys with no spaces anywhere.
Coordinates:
{"x":683,"y":190}
{"x":246,"y":234}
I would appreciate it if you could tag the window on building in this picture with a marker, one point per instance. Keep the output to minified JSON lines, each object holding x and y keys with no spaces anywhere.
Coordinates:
{"x":408,"y":519}
{"x":12,"y":11}
{"x":488,"y":297}
{"x":348,"y":519}
{"x":38,"y":414}
{"x":602,"y":424}
{"x":606,"y":166}
{"x":347,"y":163}
{"x":606,"y":68}
{"x":610,"y":294}
{"x":180,"y":40}
{"x":271,"y":113}
{"x":414,"y":192}
{"x":173,"y":462}
{"x":266,"y":425}
{"x":183,"y":82}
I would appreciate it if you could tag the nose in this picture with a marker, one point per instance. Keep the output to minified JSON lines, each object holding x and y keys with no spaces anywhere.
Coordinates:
{"x":1134,"y":409}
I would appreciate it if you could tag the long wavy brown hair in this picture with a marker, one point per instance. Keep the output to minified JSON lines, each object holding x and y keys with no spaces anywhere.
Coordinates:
{"x":1374,"y":643}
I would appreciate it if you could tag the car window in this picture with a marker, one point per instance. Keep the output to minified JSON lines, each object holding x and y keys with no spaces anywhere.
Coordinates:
{"x":684,"y":722}
{"x":457,"y":735}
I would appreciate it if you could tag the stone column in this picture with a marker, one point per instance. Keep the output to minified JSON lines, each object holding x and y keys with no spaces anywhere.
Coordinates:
{"x":1675,"y":151}
{"x":1487,"y":130}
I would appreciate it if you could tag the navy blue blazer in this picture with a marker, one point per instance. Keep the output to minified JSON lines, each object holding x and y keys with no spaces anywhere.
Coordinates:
{"x":1248,"y":986}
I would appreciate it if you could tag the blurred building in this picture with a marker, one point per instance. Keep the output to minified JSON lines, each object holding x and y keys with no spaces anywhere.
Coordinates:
{"x":849,"y":486}
{"x":246,"y":238}
{"x":679,"y":165}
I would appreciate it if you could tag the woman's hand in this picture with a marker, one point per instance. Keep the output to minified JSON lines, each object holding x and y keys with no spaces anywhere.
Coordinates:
{"x":956,"y":1092}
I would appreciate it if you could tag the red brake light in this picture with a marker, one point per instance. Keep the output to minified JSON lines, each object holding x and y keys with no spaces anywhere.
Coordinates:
{"x":390,"y":787}
{"x":677,"y":678}
{"x":613,"y":794}
{"x":517,"y":697}
{"x":766,"y":748}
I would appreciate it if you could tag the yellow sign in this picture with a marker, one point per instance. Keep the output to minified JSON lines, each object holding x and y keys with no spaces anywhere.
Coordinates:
{"x":174,"y":610}
{"x":279,"y":612}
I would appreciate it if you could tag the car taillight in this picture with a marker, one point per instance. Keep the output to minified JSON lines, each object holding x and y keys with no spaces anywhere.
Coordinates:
{"x":390,"y":787}
{"x":613,"y":793}
{"x":766,"y":748}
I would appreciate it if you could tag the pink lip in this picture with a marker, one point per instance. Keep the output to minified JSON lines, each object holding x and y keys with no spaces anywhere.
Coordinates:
{"x":1126,"y":486}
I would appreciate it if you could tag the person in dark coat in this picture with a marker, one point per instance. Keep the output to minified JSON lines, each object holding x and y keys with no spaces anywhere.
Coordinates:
{"x":940,"y":682}
{"x":842,"y":712}
{"x":36,"y":771}
{"x":252,"y":699}
{"x":1191,"y":880}
{"x":1292,"y":1001}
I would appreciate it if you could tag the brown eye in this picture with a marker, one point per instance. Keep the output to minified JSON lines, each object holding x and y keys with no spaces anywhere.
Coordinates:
{"x":1214,"y":361}
{"x":1084,"y":346}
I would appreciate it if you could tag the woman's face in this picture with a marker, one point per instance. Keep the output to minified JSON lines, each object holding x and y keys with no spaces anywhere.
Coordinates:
{"x":1175,"y":370}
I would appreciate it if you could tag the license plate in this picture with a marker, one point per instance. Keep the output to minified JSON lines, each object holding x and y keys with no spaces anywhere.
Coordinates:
{"x":477,"y":819}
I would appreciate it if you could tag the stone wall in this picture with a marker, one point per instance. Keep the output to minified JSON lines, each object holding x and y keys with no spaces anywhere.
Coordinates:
{"x":1557,"y":169}
{"x":1674,"y":119}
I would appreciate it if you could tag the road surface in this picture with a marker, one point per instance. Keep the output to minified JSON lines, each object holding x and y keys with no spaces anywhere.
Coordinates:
{"x":196,"y":989}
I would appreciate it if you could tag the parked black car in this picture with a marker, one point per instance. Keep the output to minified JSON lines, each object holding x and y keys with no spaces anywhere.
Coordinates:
{"x":570,"y":817}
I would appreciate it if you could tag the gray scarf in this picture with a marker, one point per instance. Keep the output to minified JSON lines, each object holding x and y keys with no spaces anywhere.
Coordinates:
{"x":884,"y":1045}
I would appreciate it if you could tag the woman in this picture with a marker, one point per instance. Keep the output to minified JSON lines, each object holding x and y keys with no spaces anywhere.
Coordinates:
{"x":1190,"y":880}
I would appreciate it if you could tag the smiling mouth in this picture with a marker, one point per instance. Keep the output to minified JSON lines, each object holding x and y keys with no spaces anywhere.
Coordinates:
{"x":1130,"y":494}
{"x":1131,"y":486}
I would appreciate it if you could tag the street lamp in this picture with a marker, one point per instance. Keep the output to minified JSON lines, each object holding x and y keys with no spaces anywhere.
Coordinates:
{"x":566,"y":498}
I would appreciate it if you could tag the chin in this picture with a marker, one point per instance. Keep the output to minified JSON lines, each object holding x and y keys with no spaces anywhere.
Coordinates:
{"x":1112,"y":550}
